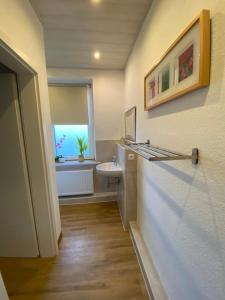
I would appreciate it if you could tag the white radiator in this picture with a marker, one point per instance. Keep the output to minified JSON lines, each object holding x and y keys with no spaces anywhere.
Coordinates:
{"x":77,"y":182}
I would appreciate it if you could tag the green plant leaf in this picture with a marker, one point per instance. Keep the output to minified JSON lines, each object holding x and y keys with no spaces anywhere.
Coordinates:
{"x":81,"y":145}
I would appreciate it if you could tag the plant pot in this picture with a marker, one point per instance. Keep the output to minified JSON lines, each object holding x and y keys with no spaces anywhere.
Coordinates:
{"x":61,"y":159}
{"x":81,"y":158}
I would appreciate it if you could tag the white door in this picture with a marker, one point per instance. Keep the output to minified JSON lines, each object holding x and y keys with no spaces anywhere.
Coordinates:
{"x":17,"y":227}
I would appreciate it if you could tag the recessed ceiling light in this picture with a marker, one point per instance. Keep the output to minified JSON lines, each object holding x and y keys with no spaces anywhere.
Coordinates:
{"x":97,"y":55}
{"x":96,"y":1}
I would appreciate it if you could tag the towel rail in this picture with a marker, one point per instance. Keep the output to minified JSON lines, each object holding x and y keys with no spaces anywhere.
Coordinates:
{"x":153,"y":153}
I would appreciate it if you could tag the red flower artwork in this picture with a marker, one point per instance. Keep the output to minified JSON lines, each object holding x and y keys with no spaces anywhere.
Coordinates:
{"x":186,"y":63}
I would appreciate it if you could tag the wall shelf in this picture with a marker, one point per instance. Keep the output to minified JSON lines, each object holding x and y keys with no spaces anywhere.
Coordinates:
{"x":153,"y":153}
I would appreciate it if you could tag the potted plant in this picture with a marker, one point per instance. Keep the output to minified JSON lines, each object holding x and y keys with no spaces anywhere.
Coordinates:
{"x":59,"y":159}
{"x":82,"y":146}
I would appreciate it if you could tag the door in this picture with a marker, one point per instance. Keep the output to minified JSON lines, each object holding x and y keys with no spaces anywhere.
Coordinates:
{"x":17,"y":227}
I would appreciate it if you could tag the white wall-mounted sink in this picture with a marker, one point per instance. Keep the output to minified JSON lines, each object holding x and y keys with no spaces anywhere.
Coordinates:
{"x":109,"y":169}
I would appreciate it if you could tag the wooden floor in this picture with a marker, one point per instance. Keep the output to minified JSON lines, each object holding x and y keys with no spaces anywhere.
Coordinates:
{"x":96,"y":261}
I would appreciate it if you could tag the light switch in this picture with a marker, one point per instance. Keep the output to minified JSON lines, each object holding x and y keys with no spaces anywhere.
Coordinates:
{"x":131,"y":156}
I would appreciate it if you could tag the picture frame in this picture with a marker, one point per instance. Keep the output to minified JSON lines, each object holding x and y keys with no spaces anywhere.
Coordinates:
{"x":130,"y":125}
{"x":185,"y":66}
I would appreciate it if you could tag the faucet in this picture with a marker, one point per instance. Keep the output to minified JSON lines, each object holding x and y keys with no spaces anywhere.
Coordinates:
{"x":114,"y":160}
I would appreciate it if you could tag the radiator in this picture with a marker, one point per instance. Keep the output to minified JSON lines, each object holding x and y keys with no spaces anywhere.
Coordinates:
{"x":77,"y":182}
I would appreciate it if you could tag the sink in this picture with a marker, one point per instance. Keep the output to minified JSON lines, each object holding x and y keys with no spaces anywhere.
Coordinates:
{"x":109,"y":169}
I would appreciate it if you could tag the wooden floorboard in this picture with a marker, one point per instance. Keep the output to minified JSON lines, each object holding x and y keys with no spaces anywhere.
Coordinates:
{"x":96,"y":261}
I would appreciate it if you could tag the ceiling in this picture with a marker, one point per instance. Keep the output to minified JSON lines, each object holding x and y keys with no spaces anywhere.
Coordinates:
{"x":75,"y":29}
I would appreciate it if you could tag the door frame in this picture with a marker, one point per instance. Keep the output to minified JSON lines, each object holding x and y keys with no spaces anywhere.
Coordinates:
{"x":3,"y":293}
{"x":35,"y":145}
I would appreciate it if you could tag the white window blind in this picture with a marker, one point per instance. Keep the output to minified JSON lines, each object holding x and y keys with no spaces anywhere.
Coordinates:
{"x":68,"y":104}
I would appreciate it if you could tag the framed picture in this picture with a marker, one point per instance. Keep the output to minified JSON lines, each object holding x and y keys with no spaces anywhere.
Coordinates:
{"x":184,"y":67}
{"x":130,"y":124}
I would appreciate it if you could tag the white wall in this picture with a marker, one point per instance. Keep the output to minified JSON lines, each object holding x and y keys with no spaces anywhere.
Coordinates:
{"x":181,"y":208}
{"x":108,"y":94}
{"x":21,"y":31}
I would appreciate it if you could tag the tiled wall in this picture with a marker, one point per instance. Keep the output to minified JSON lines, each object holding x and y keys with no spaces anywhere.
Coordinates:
{"x":105,"y":149}
{"x":127,"y":190}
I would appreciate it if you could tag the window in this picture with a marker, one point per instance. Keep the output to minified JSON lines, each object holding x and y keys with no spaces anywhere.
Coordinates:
{"x":65,"y":139}
{"x":72,"y":117}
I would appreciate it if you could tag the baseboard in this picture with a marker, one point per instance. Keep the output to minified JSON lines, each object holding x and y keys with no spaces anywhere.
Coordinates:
{"x":124,"y":227}
{"x":95,"y":198}
{"x":151,"y":278}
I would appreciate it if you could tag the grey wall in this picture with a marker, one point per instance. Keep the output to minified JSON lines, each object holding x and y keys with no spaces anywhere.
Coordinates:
{"x":17,"y":230}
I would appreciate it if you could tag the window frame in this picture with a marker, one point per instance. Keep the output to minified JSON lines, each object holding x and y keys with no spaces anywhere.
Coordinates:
{"x":90,"y":105}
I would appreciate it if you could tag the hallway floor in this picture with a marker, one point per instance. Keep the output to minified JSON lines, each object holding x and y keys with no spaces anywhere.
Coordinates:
{"x":96,"y":261}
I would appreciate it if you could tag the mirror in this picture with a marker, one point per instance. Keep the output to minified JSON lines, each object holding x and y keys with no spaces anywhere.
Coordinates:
{"x":130,"y":124}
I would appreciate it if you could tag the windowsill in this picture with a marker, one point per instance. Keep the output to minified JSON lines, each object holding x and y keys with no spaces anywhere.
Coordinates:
{"x":75,"y":164}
